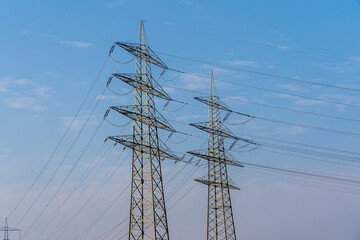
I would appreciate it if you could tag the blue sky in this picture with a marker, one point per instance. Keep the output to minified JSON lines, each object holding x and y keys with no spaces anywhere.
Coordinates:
{"x":51,"y":52}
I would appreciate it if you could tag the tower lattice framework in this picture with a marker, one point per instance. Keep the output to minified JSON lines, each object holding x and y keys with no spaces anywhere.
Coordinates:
{"x":6,"y":229}
{"x":148,"y":219}
{"x":220,"y":220}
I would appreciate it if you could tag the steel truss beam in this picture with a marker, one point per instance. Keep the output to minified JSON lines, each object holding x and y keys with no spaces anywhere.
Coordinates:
{"x":163,"y":151}
{"x":135,"y":80}
{"x":228,"y":184}
{"x":218,"y":103}
{"x":136,"y":49}
{"x":156,"y":120}
{"x":229,"y":160}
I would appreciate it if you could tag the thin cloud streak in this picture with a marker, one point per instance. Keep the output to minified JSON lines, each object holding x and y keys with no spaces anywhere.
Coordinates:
{"x":77,"y":44}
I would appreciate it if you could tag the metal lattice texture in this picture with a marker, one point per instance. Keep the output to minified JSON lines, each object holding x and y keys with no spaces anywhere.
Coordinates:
{"x":220,"y":221}
{"x":148,"y":218}
{"x":6,"y":229}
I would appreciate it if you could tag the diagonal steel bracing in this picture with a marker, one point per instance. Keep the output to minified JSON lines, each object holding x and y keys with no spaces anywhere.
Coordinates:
{"x":220,"y":221}
{"x":148,"y":219}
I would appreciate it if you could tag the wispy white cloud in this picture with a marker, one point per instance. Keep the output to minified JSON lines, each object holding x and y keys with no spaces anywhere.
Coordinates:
{"x":356,"y":59}
{"x":77,"y":44}
{"x":116,"y":3}
{"x":242,"y":63}
{"x":192,"y":82}
{"x":42,"y":92}
{"x":105,"y":97}
{"x":7,"y":82}
{"x":236,"y":99}
{"x":21,"y":94}
{"x":78,"y":122}
{"x":190,"y":4}
{"x":283,"y":47}
{"x":194,"y":116}
{"x":4,"y":86}
{"x":344,"y":67}
{"x":47,"y":35}
{"x":308,"y":102}
{"x":348,"y":99}
{"x":293,"y":88}
{"x":293,"y":130}
{"x":25,"y":103}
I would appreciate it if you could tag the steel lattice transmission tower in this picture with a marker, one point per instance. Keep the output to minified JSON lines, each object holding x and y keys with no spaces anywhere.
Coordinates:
{"x":6,"y":229}
{"x":148,"y":219}
{"x":220,"y":221}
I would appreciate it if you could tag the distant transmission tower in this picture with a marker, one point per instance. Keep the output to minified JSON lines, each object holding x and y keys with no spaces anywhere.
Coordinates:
{"x":220,"y":221}
{"x":148,"y":219}
{"x":6,"y":229}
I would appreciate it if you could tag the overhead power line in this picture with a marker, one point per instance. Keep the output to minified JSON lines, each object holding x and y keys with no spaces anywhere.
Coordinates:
{"x":274,"y":91}
{"x":61,"y":139}
{"x":258,"y":73}
{"x":256,"y":43}
{"x":263,"y":105}
{"x":317,"y":175}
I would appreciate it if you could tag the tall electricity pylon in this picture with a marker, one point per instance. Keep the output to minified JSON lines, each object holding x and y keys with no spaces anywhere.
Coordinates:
{"x":6,"y":229}
{"x":220,"y":221}
{"x":148,"y":219}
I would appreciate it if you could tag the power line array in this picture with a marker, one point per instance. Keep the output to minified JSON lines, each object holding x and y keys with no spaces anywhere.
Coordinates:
{"x":148,"y":214}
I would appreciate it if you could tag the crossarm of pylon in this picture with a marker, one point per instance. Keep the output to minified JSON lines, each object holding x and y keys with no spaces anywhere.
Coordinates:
{"x":222,"y":130}
{"x":135,"y":81}
{"x":218,"y":103}
{"x":158,"y":120}
{"x":229,"y":159}
{"x":127,"y":140}
{"x":10,"y":229}
{"x":142,"y":51}
{"x":205,"y":181}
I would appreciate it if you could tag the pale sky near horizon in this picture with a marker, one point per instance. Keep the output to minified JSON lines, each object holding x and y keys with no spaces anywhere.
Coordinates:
{"x":51,"y":52}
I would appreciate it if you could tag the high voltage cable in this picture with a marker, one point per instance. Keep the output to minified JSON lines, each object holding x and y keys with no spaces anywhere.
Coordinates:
{"x":303,"y":144}
{"x":310,"y":174}
{"x":297,"y":124}
{"x":270,"y":90}
{"x":293,"y":110}
{"x":255,"y":43}
{"x":66,"y":177}
{"x":104,"y":212}
{"x":311,"y":152}
{"x":190,"y":174}
{"x":101,"y":184}
{"x":107,"y":233}
{"x":302,"y":125}
{"x":294,"y":124}
{"x":257,"y":73}
{"x":61,"y":139}
{"x":97,"y":190}
{"x":299,"y":182}
{"x":296,"y":143}
{"x":262,"y":104}
{"x":52,"y":215}
{"x":119,"y":224}
{"x":304,"y":151}
{"x":183,"y":196}
{"x":273,"y":91}
{"x":309,"y":158}
{"x":83,"y":126}
{"x":60,"y":164}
